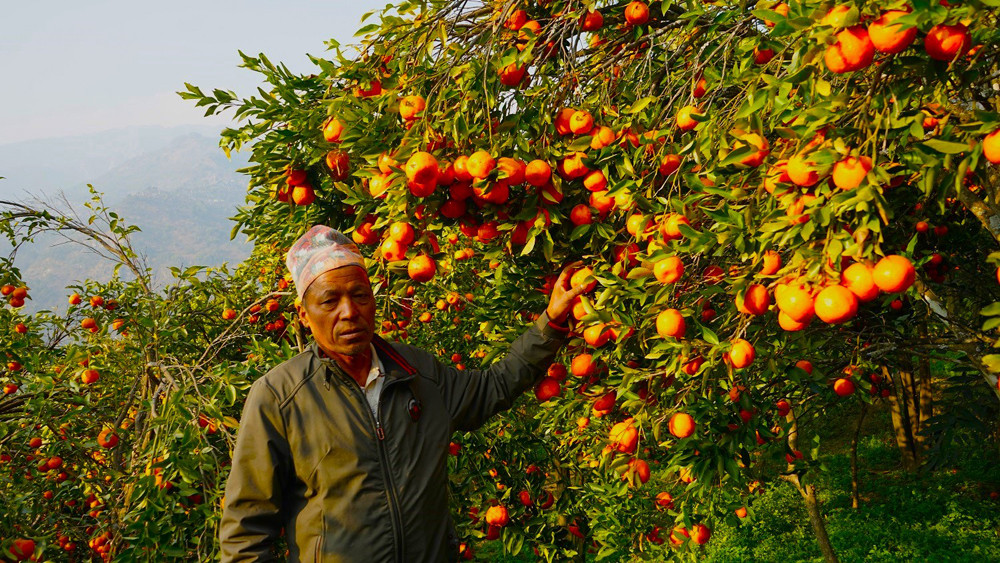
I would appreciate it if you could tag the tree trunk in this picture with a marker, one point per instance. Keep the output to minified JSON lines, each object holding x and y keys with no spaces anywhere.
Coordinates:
{"x":900,"y":410}
{"x":810,"y":499}
{"x":855,"y":495}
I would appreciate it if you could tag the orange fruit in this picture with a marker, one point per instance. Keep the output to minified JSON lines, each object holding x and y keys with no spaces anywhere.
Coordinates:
{"x":583,"y":366}
{"x":636,"y":13}
{"x":888,"y":37}
{"x":410,"y":106}
{"x":836,"y":304}
{"x":572,"y":167}
{"x":851,"y":171}
{"x":741,"y":512}
{"x":857,"y":278}
{"x":670,"y":323}
{"x":991,"y":147}
{"x":460,"y":166}
{"x":563,"y":120}
{"x":516,"y":20}
{"x":421,"y":268}
{"x":512,"y":74}
{"x":781,"y":8}
{"x":758,"y":142}
{"x":525,"y":32}
{"x":684,"y":120}
{"x":591,"y":21}
{"x":386,"y":163}
{"x":624,"y":437}
{"x":756,"y":300}
{"x":637,"y":224}
{"x":512,"y":170}
{"x":580,"y":215}
{"x":771,"y":263}
{"x":852,"y":51}
{"x":602,"y":202}
{"x":581,"y":276}
{"x":480,"y":164}
{"x":837,"y":16}
{"x":581,"y":122}
{"x":537,"y":173}
{"x":364,"y":234}
{"x":700,"y":87}
{"x":339,"y":164}
{"x":596,"y":335}
{"x":947,"y":42}
{"x":670,"y":227}
{"x":333,"y":128}
{"x":595,"y":181}
{"x":796,"y":302}
{"x":421,"y":168}
{"x":762,"y":56}
{"x":303,"y":195}
{"x":741,"y":354}
{"x":668,"y":270}
{"x":547,"y":388}
{"x":843,"y":386}
{"x":497,"y":516}
{"x":893,"y":274}
{"x":804,"y":365}
{"x":403,"y":232}
{"x":602,"y":137}
{"x":804,"y":171}
{"x":682,"y":425}
{"x":669,"y":164}
{"x":393,"y":250}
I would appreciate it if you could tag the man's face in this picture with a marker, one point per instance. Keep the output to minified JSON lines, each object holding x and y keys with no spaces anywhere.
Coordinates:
{"x":339,"y":308}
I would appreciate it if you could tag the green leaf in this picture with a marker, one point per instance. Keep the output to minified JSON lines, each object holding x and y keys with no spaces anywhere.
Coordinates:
{"x":991,"y":310}
{"x":946,"y":147}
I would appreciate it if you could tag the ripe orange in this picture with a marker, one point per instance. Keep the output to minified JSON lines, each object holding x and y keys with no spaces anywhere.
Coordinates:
{"x":684,"y":120}
{"x":591,"y":21}
{"x":303,"y":195}
{"x":700,"y":87}
{"x":480,"y":164}
{"x":403,"y":232}
{"x":888,"y":37}
{"x":852,"y":51}
{"x":636,"y":13}
{"x":639,"y":468}
{"x":581,"y":122}
{"x":580,"y":278}
{"x":537,"y":173}
{"x":741,"y":512}
{"x":563,"y":120}
{"x":837,"y":16}
{"x":669,"y":164}
{"x":741,"y":354}
{"x":991,"y":147}
{"x":758,"y":142}
{"x":228,"y":314}
{"x":393,"y":250}
{"x":547,"y":388}
{"x":339,"y":164}
{"x":421,"y":168}
{"x":796,"y":302}
{"x":603,"y":136}
{"x":947,"y":42}
{"x":512,"y":74}
{"x":410,"y":106}
{"x":516,"y":20}
{"x":525,"y":32}
{"x":857,"y":278}
{"x":894,"y":273}
{"x":379,"y":185}
{"x":597,"y":335}
{"x":364,"y":234}
{"x":762,"y":56}
{"x":668,"y":270}
{"x":572,"y":167}
{"x":789,"y":324}
{"x":333,"y":128}
{"x":756,"y":300}
{"x":90,"y":376}
{"x":595,"y":181}
{"x":512,"y":171}
{"x":670,"y":227}
{"x":107,"y":438}
{"x":583,"y":366}
{"x":637,"y":224}
{"x":851,"y":171}
{"x":843,"y":386}
{"x":602,"y":202}
{"x":803,"y":171}
{"x":580,"y":215}
{"x":497,"y":516}
{"x":670,"y":323}
{"x":836,"y":304}
{"x":771,"y":263}
{"x":682,"y":425}
{"x":624,"y":437}
{"x":781,"y":8}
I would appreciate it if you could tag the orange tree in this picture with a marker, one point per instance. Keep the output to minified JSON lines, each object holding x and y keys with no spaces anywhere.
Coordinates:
{"x":773,"y":201}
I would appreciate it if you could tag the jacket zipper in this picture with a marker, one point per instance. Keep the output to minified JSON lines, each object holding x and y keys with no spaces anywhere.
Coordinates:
{"x":394,"y":509}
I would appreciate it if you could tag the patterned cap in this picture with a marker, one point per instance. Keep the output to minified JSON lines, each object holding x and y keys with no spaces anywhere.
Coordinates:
{"x":320,"y":250}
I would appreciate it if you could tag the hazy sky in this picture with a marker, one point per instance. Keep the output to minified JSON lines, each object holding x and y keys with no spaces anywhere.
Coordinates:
{"x":72,"y":67}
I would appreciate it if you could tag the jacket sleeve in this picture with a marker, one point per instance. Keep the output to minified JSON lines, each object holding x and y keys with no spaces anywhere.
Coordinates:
{"x":251,"y":516}
{"x":473,"y":396}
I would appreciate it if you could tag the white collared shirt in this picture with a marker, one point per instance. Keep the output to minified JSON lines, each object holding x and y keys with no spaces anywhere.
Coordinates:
{"x":373,"y":385}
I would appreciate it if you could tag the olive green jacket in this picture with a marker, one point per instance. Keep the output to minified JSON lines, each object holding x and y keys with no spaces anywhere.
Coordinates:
{"x":310,"y":458}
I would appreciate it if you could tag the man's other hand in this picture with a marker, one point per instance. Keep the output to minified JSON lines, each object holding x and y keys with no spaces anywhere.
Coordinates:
{"x":562,"y":296}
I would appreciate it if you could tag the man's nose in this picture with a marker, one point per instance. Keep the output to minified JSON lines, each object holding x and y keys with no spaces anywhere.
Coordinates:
{"x":348,"y":308}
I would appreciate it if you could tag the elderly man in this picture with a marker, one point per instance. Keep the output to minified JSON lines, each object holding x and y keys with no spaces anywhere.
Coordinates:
{"x":345,"y":445}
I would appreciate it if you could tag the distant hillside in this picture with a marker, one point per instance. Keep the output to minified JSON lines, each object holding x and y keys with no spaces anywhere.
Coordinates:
{"x":180,"y":192}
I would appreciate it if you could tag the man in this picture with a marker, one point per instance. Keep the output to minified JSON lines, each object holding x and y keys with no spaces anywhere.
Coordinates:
{"x":345,"y":445}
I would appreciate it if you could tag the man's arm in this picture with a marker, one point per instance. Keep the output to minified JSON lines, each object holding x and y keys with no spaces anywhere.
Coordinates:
{"x":251,"y":516}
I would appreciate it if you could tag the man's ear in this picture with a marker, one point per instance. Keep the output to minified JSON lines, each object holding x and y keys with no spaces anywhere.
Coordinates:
{"x":303,"y":316}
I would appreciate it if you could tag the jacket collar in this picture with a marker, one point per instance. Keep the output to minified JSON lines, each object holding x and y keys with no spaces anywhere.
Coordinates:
{"x":396,"y":367}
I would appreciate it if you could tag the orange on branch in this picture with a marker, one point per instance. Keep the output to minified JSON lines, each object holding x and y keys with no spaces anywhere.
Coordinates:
{"x":836,"y":304}
{"x":857,"y":278}
{"x":889,"y":37}
{"x":682,"y":425}
{"x":480,"y":164}
{"x":668,"y":270}
{"x":947,"y":42}
{"x":670,"y":323}
{"x":894,"y":274}
{"x":851,"y":171}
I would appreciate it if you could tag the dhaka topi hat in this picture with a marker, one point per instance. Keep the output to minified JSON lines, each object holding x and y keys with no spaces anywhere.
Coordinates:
{"x":318,"y":251}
